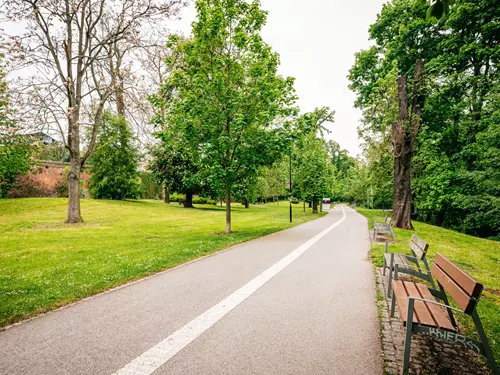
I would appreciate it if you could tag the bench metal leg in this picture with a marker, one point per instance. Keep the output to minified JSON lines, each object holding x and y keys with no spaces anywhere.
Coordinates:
{"x":393,"y":304}
{"x":385,"y":263}
{"x":409,"y":330}
{"x":447,"y":303}
{"x":484,"y":341}
{"x":391,"y":267}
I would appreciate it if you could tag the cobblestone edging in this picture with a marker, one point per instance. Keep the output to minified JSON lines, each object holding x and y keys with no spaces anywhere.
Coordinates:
{"x":429,"y":356}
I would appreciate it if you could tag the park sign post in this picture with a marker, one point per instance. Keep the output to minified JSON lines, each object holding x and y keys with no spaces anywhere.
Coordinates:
{"x":326,"y":204}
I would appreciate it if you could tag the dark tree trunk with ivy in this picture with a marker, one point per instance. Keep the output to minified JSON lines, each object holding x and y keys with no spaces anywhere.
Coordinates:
{"x":404,"y":133}
{"x":188,"y":203}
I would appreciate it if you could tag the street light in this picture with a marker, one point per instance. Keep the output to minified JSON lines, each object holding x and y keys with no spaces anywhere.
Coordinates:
{"x":291,"y":185}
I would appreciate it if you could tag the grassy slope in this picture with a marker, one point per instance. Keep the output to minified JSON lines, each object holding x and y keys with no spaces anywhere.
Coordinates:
{"x":45,"y":263}
{"x":478,"y":257}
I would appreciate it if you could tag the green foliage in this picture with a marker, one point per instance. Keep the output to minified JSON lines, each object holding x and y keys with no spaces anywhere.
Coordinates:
{"x":15,"y":150}
{"x":224,"y":93}
{"x":456,"y":163}
{"x":53,"y":152}
{"x":114,"y":163}
{"x":312,"y":170}
{"x":150,"y":188}
{"x":62,"y":184}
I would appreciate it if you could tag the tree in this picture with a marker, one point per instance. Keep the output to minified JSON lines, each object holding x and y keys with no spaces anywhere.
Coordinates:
{"x":69,"y":44}
{"x":404,"y":134}
{"x":176,"y":165}
{"x":15,"y":150}
{"x":225,"y":92}
{"x":452,"y":168}
{"x":312,"y":170}
{"x":114,"y":164}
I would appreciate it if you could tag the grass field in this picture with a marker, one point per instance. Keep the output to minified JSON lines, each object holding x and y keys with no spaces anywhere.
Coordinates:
{"x":479,"y":257}
{"x":45,"y":263}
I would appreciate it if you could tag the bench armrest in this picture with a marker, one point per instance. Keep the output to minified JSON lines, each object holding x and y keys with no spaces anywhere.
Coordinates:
{"x":435,"y":303}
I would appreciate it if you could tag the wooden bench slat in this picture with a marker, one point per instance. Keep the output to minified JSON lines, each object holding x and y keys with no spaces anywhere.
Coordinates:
{"x":419,"y":242}
{"x":439,"y":316}
{"x":464,"y":281}
{"x":461,"y":298}
{"x":417,"y":251}
{"x":402,"y":300}
{"x":424,"y":317}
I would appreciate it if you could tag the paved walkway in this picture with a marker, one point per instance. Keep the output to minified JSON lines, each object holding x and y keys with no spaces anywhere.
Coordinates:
{"x":300,"y":301}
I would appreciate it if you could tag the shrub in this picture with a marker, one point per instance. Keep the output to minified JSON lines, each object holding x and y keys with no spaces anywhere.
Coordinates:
{"x":175,"y":197}
{"x":200,"y":200}
{"x":28,"y":186}
{"x":150,"y":188}
{"x":62,"y":185}
{"x":295,"y":200}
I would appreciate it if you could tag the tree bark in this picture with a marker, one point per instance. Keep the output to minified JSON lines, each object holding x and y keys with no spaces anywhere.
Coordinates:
{"x":315,"y":206}
{"x":228,"y":209}
{"x":310,"y":204}
{"x":404,"y":133}
{"x":74,"y":214}
{"x":188,"y":203}
{"x":246,"y":204}
{"x":304,"y":206}
{"x":166,"y":194}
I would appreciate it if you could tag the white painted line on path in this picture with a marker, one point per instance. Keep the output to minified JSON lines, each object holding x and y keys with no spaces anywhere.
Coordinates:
{"x":159,"y":354}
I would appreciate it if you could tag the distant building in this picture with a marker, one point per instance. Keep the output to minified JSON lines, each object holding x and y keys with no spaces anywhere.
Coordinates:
{"x":42,"y":138}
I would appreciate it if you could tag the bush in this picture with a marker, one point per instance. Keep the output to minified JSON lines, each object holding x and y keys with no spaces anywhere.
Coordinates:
{"x":150,"y":188}
{"x":200,"y":200}
{"x":295,"y":200}
{"x":212,"y":202}
{"x":175,"y":197}
{"x":62,"y":185}
{"x":28,"y":186}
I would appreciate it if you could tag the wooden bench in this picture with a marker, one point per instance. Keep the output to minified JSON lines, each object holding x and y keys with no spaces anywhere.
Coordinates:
{"x":409,"y":264}
{"x":421,"y":313}
{"x":383,"y":228}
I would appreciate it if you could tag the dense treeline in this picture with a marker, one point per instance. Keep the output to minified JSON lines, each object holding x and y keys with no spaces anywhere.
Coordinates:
{"x":456,"y":161}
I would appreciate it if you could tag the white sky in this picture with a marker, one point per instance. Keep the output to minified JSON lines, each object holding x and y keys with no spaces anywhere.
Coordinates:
{"x":317,"y":40}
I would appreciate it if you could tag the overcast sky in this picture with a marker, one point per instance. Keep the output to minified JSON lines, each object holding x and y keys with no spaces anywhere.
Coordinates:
{"x":317,"y":40}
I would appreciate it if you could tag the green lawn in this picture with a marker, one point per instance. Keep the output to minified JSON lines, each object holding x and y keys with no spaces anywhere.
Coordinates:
{"x":479,"y":257}
{"x":45,"y":263}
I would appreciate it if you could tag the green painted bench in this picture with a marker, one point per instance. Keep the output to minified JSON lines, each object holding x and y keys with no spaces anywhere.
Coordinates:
{"x":415,"y":264}
{"x":421,"y":313}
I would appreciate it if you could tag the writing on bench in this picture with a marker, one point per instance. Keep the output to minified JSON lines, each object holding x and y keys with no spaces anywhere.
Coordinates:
{"x":454,"y":338}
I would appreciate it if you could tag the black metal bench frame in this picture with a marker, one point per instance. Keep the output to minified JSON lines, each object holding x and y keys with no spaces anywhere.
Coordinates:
{"x":467,"y":294}
{"x":408,"y":264}
{"x":384,"y":228}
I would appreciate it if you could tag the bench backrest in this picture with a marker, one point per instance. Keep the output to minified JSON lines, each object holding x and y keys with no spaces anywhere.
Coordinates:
{"x":388,"y":220}
{"x":419,"y":247}
{"x":460,"y":286}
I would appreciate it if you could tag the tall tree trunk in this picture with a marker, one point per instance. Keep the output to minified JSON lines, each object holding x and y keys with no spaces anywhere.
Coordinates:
{"x":166,"y":194}
{"x":74,"y":214}
{"x":304,"y":206}
{"x":228,"y":209}
{"x":404,"y":133}
{"x":310,"y":204}
{"x":188,"y":203}
{"x":315,"y":206}
{"x":246,"y":204}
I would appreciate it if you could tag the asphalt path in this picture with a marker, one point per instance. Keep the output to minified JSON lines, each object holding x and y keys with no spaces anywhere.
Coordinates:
{"x":301,"y":301}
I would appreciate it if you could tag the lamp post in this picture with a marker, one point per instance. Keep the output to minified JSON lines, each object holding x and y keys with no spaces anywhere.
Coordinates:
{"x":291,"y":217}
